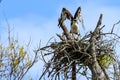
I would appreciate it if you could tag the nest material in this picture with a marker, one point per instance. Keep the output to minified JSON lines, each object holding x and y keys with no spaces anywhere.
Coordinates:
{"x":71,"y":50}
{"x":78,"y":51}
{"x":65,"y":52}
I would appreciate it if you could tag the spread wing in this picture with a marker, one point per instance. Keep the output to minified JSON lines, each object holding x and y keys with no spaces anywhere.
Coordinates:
{"x":78,"y":16}
{"x":65,"y":14}
{"x":77,"y":13}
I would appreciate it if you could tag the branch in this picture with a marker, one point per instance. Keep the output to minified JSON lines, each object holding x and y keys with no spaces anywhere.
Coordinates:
{"x":99,"y":22}
{"x":61,"y":37}
{"x":97,"y":29}
{"x":66,"y":32}
{"x":105,"y":73}
{"x":94,"y":66}
{"x":29,"y":67}
{"x":114,"y":26}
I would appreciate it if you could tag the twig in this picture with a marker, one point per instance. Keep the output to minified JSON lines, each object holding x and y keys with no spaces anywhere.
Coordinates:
{"x":64,"y":68}
{"x":61,"y":37}
{"x":22,"y":75}
{"x":49,"y":40}
{"x":8,"y":25}
{"x":114,"y":26}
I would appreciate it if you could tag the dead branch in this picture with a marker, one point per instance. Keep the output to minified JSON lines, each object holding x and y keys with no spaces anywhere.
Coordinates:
{"x":61,"y":37}
{"x":114,"y":26}
{"x":66,"y":32}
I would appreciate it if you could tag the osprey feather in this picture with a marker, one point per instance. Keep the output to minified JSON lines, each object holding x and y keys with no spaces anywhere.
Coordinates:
{"x":74,"y":22}
{"x":65,"y":14}
{"x":74,"y":27}
{"x":78,"y":16}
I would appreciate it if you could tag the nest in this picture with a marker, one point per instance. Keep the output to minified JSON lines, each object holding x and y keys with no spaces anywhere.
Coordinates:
{"x":65,"y":54}
{"x":71,"y":52}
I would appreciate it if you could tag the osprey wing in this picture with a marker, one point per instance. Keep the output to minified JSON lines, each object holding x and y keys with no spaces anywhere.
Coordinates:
{"x":65,"y":14}
{"x":78,"y":16}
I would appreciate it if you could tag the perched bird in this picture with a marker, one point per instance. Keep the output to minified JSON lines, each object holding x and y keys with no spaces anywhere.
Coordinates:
{"x":74,"y":27}
{"x":78,"y":16}
{"x":74,"y":22}
{"x":65,"y":14}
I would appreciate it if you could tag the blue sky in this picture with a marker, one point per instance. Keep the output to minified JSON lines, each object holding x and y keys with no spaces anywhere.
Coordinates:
{"x":37,"y":19}
{"x":39,"y":16}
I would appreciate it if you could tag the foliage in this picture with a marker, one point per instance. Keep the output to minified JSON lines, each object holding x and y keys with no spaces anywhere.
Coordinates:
{"x":15,"y":61}
{"x":105,"y":60}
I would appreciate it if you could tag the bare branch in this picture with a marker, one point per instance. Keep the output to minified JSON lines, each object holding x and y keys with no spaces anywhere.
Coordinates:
{"x":66,"y":32}
{"x":114,"y":26}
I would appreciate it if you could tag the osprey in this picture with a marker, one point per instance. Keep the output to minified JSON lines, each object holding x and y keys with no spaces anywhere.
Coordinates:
{"x":74,"y":27}
{"x":74,"y":22}
{"x":65,"y":14}
{"x":78,"y":16}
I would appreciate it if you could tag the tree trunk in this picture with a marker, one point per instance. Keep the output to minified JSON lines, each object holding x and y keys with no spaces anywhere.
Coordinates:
{"x":74,"y":71}
{"x":96,"y":71}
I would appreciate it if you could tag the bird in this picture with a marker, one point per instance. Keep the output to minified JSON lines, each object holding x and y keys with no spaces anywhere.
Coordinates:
{"x":74,"y":23}
{"x":65,"y":14}
{"x":78,"y":16}
{"x":74,"y":27}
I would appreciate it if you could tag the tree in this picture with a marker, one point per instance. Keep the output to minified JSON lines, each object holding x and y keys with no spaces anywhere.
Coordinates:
{"x":94,"y":52}
{"x":15,"y":60}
